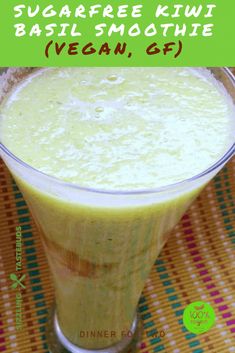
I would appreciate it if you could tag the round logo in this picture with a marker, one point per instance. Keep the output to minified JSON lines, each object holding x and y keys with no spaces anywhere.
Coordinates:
{"x":198,"y":317}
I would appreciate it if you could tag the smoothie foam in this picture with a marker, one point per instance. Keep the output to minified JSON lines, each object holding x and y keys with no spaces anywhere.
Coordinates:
{"x":118,"y":129}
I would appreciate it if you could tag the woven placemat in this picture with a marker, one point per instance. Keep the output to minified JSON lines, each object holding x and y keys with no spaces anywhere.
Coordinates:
{"x":198,"y":263}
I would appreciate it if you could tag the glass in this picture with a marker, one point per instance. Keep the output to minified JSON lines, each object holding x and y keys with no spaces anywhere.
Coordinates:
{"x":101,"y":246}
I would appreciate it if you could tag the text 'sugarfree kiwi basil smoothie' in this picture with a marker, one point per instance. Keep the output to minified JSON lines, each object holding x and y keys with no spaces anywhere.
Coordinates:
{"x":113,"y":139}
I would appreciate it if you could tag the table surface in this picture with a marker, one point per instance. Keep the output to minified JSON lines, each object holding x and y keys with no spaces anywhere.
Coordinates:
{"x":197,"y":263}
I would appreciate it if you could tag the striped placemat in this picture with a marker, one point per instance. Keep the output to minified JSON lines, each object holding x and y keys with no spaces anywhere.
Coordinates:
{"x":198,"y":263}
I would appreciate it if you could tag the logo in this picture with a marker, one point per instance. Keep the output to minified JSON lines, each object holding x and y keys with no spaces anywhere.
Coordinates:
{"x":199,"y":317}
{"x":17,"y":281}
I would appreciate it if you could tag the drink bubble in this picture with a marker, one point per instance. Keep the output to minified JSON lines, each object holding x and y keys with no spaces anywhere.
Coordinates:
{"x":99,"y":109}
{"x":112,"y":78}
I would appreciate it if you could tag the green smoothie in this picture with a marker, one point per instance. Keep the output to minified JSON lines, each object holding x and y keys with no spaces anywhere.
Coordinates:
{"x":107,"y":137}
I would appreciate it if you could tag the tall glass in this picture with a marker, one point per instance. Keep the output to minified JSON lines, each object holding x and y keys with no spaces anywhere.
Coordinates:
{"x":101,"y":246}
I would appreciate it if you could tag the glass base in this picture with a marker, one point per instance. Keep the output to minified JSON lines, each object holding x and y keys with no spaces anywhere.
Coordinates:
{"x":58,"y":343}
